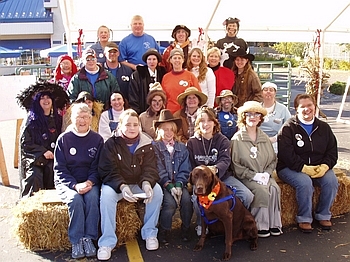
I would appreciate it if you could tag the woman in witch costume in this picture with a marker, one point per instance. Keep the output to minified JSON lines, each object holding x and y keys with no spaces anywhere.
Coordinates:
{"x":210,"y":147}
{"x":39,"y":134}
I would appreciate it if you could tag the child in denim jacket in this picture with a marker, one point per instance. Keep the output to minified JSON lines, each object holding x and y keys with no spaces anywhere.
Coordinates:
{"x":174,"y":167}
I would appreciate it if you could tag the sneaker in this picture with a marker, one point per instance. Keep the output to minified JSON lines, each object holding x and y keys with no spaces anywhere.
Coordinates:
{"x":263,"y":233}
{"x":199,"y":230}
{"x":275,"y":231}
{"x":152,"y":243}
{"x":78,"y":250}
{"x":89,"y":247}
{"x":104,"y":253}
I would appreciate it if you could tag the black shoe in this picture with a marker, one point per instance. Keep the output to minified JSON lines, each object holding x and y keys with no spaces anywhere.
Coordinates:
{"x":185,"y":234}
{"x":164,"y":236}
{"x":263,"y":233}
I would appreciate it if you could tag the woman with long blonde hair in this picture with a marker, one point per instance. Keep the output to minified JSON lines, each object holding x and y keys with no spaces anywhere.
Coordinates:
{"x":197,"y":64}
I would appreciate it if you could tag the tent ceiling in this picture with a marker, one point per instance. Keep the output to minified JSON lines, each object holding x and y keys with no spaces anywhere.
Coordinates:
{"x":261,"y":21}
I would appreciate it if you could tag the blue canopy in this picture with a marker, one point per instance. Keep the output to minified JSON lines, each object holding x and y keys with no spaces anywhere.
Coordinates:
{"x":56,"y":51}
{"x":8,"y":53}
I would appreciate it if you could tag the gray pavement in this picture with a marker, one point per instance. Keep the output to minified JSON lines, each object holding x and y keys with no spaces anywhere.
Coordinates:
{"x":291,"y":246}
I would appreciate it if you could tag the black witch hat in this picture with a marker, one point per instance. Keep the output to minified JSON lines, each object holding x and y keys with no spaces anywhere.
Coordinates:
{"x":25,"y":98}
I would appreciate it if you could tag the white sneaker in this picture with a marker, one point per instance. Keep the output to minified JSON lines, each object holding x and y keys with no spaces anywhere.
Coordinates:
{"x":152,"y":243}
{"x":199,"y":230}
{"x":104,"y":253}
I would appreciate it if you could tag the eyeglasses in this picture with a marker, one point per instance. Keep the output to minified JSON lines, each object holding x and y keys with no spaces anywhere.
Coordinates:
{"x":85,"y":118}
{"x":249,"y":114}
{"x":91,"y":59}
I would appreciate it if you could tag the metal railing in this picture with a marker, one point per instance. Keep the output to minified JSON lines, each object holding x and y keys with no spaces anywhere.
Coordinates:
{"x":278,"y":72}
{"x":40,"y":71}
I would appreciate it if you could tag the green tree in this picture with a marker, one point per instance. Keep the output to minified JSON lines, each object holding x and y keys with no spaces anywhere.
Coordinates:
{"x":290,"y":48}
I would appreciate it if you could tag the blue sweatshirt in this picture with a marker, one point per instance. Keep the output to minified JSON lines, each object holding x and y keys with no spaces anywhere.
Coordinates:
{"x":76,"y":158}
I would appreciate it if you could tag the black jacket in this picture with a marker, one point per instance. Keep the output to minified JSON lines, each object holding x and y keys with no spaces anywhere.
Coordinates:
{"x":296,"y":148}
{"x":118,"y":166}
{"x":139,"y":87}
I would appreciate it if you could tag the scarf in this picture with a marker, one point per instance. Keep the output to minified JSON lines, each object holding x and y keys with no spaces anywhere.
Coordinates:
{"x":169,"y":146}
{"x":130,"y":141}
{"x":206,"y":201}
{"x":184,"y":44}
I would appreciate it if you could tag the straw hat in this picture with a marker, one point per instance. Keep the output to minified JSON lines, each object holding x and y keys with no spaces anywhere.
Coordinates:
{"x":192,"y":91}
{"x":252,"y":106}
{"x":166,"y":116}
{"x":226,"y":93}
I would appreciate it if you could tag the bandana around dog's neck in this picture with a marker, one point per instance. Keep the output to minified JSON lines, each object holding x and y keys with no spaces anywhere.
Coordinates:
{"x":206,"y":201}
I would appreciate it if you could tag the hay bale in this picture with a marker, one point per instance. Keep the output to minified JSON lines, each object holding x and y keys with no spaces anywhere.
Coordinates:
{"x":128,"y":222}
{"x":289,"y":207}
{"x":40,"y":226}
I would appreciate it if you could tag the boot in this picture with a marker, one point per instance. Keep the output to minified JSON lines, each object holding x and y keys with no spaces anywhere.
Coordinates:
{"x":164,"y":236}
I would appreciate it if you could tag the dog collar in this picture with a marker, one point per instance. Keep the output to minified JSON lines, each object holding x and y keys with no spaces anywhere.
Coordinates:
{"x":206,"y":201}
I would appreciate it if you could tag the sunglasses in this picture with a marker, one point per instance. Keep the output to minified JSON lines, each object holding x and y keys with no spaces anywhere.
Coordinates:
{"x":91,"y":59}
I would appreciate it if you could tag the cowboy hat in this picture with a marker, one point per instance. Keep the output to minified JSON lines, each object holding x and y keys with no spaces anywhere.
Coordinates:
{"x":240,"y":52}
{"x":225,"y":93}
{"x":192,"y":91}
{"x":166,"y":116}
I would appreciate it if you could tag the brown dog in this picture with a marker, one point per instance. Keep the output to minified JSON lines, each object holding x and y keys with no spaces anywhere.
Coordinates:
{"x":235,"y":225}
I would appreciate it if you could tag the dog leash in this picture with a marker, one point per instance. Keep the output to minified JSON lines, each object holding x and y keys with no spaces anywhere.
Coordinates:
{"x":226,"y":198}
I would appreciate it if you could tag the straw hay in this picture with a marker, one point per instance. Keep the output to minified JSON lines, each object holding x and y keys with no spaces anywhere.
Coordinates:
{"x":41,"y":226}
{"x":289,"y":205}
{"x":128,"y":221}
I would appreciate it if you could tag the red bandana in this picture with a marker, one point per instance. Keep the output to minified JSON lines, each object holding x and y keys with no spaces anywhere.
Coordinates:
{"x":206,"y":201}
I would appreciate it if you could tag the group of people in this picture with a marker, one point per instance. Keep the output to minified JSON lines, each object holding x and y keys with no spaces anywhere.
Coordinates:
{"x":131,"y":124}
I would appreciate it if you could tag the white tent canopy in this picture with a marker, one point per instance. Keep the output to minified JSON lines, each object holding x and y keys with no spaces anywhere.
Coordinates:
{"x":261,"y":21}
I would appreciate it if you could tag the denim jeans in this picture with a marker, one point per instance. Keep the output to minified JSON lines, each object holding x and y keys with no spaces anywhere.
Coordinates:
{"x":304,"y":186}
{"x":169,"y":208}
{"x":242,"y":192}
{"x":84,"y":212}
{"x":108,"y":207}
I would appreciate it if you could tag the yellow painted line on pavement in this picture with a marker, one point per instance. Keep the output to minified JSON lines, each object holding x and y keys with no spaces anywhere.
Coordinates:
{"x":133,"y":250}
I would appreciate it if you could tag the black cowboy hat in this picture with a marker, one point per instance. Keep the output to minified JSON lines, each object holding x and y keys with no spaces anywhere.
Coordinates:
{"x":60,"y":97}
{"x":240,"y":52}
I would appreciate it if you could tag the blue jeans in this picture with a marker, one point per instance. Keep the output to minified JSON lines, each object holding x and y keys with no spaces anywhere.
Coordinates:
{"x":242,"y":192}
{"x":304,"y":186}
{"x":108,"y":207}
{"x":169,"y":208}
{"x":84,"y":212}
